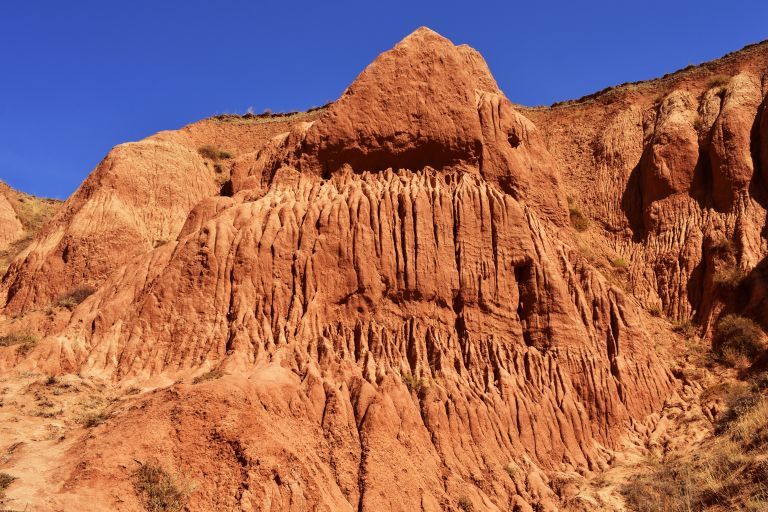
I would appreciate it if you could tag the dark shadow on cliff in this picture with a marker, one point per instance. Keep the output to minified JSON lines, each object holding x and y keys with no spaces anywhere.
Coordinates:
{"x":632,"y":202}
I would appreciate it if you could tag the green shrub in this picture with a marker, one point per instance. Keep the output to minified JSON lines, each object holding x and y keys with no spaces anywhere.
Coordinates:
{"x":738,"y":340}
{"x":416,"y":384}
{"x":159,"y":490}
{"x":619,"y":263}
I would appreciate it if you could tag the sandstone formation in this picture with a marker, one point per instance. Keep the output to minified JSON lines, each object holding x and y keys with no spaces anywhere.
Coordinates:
{"x":136,"y":199}
{"x":395,"y":309}
{"x":10,"y":225}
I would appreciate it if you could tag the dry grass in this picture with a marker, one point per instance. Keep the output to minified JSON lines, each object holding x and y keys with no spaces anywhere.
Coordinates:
{"x":718,"y":81}
{"x":579,"y":221}
{"x":24,"y":341}
{"x":5,"y":481}
{"x":159,"y":490}
{"x":211,"y":375}
{"x":465,"y":505}
{"x":74,"y":297}
{"x":729,"y":278}
{"x":32,"y":212}
{"x":213,"y":153}
{"x":619,"y":263}
{"x":738,"y":340}
{"x":416,"y":384}
{"x":95,"y":419}
{"x":728,"y":473}
{"x":685,"y":328}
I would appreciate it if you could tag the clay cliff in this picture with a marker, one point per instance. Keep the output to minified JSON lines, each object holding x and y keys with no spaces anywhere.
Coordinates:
{"x":420,"y":297}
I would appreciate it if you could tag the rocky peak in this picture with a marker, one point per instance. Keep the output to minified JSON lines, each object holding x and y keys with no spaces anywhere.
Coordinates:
{"x":425,"y":103}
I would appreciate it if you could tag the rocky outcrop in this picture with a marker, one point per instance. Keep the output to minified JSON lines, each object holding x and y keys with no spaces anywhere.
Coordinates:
{"x":10,"y":225}
{"x":137,"y":198}
{"x":676,"y":165}
{"x":398,"y":314}
{"x":402,"y":268}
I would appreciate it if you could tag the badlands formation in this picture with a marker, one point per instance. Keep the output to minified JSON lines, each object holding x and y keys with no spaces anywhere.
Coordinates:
{"x":419,"y":297}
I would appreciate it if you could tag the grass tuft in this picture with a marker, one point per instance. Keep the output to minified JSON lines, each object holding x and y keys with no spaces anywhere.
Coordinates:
{"x":579,"y":221}
{"x":159,"y":490}
{"x":213,"y":153}
{"x":74,"y":297}
{"x":211,"y":375}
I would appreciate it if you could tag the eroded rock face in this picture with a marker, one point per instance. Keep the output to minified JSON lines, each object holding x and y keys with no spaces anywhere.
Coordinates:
{"x":399,"y":266}
{"x":682,"y":170}
{"x":137,"y":197}
{"x":10,"y":225}
{"x":730,"y":143}
{"x":425,"y":103}
{"x":403,"y":315}
{"x":672,"y":152}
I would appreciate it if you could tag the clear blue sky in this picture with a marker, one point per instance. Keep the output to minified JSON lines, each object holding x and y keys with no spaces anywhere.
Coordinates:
{"x":78,"y":77}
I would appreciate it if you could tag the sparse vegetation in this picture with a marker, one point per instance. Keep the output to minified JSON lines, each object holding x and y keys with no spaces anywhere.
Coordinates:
{"x":738,"y":340}
{"x":684,"y":327}
{"x":24,"y":341}
{"x":729,"y":278}
{"x":213,"y":153}
{"x":465,"y":504}
{"x":579,"y":221}
{"x":718,"y":81}
{"x":211,"y":375}
{"x":95,"y":419}
{"x":512,"y":470}
{"x":32,"y":212}
{"x":727,"y":473}
{"x":74,"y":297}
{"x":416,"y":384}
{"x":619,"y":263}
{"x":655,"y":310}
{"x":8,"y":340}
{"x":159,"y":490}
{"x":5,"y":481}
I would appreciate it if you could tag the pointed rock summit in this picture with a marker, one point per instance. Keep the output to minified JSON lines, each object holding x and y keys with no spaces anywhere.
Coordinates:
{"x":426,"y":103}
{"x":414,"y":106}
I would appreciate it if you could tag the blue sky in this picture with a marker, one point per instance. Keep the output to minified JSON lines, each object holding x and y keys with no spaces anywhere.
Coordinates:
{"x":79,"y":77}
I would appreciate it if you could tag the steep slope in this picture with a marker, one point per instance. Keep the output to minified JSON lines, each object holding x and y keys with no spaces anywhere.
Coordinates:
{"x":381,"y":305}
{"x":137,"y":198}
{"x":670,"y":169}
{"x":10,"y":225}
{"x":21,"y":217}
{"x":391,"y":281}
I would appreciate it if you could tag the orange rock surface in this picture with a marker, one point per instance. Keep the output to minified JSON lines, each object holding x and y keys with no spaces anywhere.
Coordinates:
{"x":403,"y":317}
